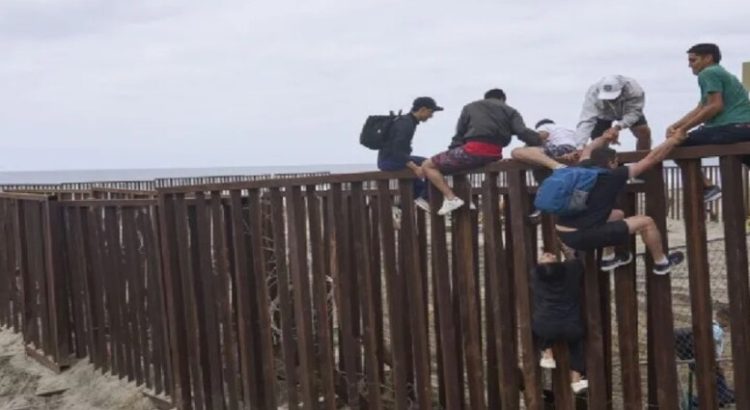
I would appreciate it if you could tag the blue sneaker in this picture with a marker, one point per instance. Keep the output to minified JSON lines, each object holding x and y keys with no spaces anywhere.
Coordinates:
{"x":673,"y":259}
{"x":620,"y":259}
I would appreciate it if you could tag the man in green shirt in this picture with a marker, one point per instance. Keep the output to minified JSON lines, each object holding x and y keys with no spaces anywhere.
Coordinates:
{"x":724,"y":108}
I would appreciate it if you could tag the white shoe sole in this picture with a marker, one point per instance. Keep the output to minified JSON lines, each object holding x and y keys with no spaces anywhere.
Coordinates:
{"x":445,"y":211}
{"x":548,"y":364}
{"x":618,"y":264}
{"x":579,"y":386}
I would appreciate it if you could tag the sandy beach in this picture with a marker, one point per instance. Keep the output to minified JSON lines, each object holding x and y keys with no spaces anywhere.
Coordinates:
{"x":27,"y":385}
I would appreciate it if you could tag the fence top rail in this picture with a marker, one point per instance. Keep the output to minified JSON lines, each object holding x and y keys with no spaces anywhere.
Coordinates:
{"x":500,"y":166}
{"x":119,"y":203}
{"x":44,"y":191}
{"x":25,"y":196}
{"x":121,"y":191}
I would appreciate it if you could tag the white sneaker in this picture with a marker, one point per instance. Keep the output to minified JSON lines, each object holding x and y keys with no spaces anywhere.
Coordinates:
{"x":580,"y":386}
{"x":396,"y":217}
{"x":450,"y":205}
{"x":472,"y":206}
{"x":423,"y":204}
{"x":548,"y":363}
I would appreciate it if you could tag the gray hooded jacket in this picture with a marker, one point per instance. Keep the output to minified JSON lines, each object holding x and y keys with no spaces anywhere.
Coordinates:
{"x":491,"y":120}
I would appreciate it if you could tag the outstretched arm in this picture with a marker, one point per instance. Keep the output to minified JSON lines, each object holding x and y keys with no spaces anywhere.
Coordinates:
{"x":683,"y":120}
{"x":600,"y":142}
{"x":589,"y":113}
{"x":654,"y":157}
{"x":713,"y":106}
{"x":525,"y":134}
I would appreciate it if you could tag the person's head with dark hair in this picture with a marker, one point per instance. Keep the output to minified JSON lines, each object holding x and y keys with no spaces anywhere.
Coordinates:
{"x":495,"y":93}
{"x":549,"y":268}
{"x":423,"y":107}
{"x":703,"y":55}
{"x":544,"y":121}
{"x":603,"y":157}
{"x":722,"y":316}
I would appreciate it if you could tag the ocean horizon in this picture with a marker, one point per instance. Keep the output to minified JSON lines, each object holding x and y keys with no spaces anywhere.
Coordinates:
{"x":147,"y":174}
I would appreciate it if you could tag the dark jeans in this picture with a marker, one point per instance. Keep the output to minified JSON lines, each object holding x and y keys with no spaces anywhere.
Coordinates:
{"x":603,"y":125}
{"x":420,"y":185}
{"x":719,"y":135}
{"x":724,"y":393}
{"x":547,"y":333}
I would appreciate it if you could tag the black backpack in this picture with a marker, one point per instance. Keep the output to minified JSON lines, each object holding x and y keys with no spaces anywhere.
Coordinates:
{"x":376,"y":129}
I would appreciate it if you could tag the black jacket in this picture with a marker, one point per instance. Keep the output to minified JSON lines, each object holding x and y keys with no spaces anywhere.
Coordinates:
{"x":558,"y":301}
{"x":491,"y":120}
{"x":397,"y":147}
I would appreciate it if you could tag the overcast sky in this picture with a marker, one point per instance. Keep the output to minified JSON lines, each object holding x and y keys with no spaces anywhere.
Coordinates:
{"x":149,"y":83}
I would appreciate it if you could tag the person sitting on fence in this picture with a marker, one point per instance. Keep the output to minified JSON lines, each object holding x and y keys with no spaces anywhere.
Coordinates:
{"x":395,"y":154}
{"x":685,"y":350}
{"x":483,"y":129}
{"x":559,"y":145}
{"x":557,"y":313}
{"x":724,"y":109}
{"x":599,"y":224}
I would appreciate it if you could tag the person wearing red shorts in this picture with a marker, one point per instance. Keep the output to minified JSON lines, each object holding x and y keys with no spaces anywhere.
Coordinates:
{"x":484,"y":128}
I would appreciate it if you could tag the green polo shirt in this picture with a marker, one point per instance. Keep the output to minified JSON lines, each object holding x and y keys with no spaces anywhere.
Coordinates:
{"x":715,"y":79}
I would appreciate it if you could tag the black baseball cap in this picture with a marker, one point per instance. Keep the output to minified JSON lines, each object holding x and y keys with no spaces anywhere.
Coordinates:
{"x":426,"y":102}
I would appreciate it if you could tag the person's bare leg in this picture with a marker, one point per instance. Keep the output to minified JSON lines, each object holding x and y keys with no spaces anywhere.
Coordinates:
{"x":575,"y":377}
{"x":642,"y":134}
{"x":615,"y":215}
{"x":547,"y":353}
{"x":534,"y":156}
{"x":646,"y":227}
{"x":436,"y":177}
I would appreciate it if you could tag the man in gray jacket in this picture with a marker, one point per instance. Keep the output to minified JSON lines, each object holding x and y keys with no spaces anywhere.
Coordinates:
{"x":612,"y":104}
{"x":484,"y":128}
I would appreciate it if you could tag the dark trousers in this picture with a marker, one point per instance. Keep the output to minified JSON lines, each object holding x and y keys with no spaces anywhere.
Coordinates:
{"x":603,"y":125}
{"x":420,"y":185}
{"x":724,"y":393}
{"x":570,"y":331}
{"x":720,"y":135}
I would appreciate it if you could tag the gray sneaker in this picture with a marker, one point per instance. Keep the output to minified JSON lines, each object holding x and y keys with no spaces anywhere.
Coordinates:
{"x":711,"y":193}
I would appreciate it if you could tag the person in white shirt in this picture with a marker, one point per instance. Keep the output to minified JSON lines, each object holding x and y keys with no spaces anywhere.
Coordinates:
{"x":720,"y":325}
{"x":558,"y":144}
{"x":613,"y":104}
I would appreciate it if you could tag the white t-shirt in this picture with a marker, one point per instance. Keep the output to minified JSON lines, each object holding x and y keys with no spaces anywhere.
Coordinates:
{"x":561,"y":136}
{"x":718,"y":339}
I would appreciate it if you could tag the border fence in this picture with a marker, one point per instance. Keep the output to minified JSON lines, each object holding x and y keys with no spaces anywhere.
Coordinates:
{"x":307,"y":291}
{"x":141,"y":189}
